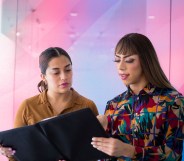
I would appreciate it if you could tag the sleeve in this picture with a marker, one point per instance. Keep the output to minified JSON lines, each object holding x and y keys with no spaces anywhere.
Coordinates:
{"x":21,"y":119}
{"x":12,"y":159}
{"x":172,"y":148}
{"x":108,"y":111}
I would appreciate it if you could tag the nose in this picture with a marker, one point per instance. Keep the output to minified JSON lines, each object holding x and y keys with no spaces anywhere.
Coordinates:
{"x":63,"y":76}
{"x":122,"y":65}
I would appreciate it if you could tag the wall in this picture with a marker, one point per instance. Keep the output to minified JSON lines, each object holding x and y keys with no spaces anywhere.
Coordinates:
{"x":88,"y":30}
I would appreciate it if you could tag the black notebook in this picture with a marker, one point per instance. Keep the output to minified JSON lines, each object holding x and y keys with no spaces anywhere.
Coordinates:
{"x":67,"y":137}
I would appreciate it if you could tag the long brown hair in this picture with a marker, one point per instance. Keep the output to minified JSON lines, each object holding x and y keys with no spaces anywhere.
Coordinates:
{"x":135,"y":43}
{"x":44,"y":58}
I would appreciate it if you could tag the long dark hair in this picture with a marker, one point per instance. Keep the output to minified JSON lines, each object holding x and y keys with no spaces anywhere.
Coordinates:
{"x":44,"y":58}
{"x":135,"y":43}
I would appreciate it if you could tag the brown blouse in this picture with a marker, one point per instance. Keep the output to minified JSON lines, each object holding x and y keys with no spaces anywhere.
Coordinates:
{"x":37,"y":108}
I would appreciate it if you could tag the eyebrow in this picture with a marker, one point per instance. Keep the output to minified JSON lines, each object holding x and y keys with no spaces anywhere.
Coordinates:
{"x":123,"y":56}
{"x":64,"y":67}
{"x":68,"y":65}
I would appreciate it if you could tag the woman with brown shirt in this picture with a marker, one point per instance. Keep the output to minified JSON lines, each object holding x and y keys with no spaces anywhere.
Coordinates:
{"x":56,"y":93}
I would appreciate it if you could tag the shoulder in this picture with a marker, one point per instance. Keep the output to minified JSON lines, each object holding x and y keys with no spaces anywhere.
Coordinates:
{"x":32,"y":102}
{"x":173,"y":100}
{"x":118,"y":98}
{"x":79,"y":98}
{"x":23,"y":113}
{"x":169,"y":95}
{"x":85,"y":102}
{"x":113,"y":103}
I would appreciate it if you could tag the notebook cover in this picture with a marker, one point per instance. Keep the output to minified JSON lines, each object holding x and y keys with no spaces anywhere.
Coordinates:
{"x":73,"y":134}
{"x":67,"y":136}
{"x":30,"y":144}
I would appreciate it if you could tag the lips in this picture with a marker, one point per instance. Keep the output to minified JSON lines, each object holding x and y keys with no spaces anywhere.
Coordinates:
{"x":64,"y":84}
{"x":124,"y":76}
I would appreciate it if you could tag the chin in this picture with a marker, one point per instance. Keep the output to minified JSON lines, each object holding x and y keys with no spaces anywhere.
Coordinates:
{"x":64,"y":90}
{"x":126,"y":83}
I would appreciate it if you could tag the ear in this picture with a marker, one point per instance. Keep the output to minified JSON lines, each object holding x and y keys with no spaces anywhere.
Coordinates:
{"x":42,"y":77}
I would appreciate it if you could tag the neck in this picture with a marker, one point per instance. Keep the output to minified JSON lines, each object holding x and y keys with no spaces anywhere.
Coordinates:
{"x":58,"y":96}
{"x":137,"y":87}
{"x":58,"y":100}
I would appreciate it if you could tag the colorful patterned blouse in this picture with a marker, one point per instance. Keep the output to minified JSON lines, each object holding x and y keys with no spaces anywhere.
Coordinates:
{"x":152,"y":121}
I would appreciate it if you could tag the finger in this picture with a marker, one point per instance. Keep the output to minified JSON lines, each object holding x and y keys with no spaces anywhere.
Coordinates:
{"x":104,"y":147}
{"x":102,"y":143}
{"x":97,"y":143}
{"x":7,"y":151}
{"x":100,"y":139}
{"x":106,"y":150}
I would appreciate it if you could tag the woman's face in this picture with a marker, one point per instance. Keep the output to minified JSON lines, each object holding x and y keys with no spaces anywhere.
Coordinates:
{"x":59,"y":74}
{"x":130,"y":70}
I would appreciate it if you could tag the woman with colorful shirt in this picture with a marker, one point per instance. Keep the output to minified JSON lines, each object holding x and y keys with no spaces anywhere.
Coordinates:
{"x":146,"y":122}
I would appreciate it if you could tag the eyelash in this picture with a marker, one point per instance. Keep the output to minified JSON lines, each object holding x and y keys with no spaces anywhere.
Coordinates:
{"x":55,"y":73}
{"x":67,"y":70}
{"x":127,"y":61}
{"x":130,"y":61}
{"x":117,"y":61}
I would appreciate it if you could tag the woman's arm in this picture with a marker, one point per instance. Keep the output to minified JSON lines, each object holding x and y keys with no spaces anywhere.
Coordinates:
{"x":113,"y":147}
{"x":172,"y":146}
{"x":103,"y":121}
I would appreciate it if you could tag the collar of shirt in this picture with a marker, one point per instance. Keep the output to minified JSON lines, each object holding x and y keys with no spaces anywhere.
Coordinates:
{"x":148,"y":89}
{"x":43,"y":98}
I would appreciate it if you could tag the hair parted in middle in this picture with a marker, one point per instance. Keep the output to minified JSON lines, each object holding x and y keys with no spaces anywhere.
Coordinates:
{"x":44,"y":59}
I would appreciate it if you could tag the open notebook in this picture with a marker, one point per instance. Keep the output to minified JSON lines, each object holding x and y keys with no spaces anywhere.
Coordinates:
{"x":67,"y":136}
